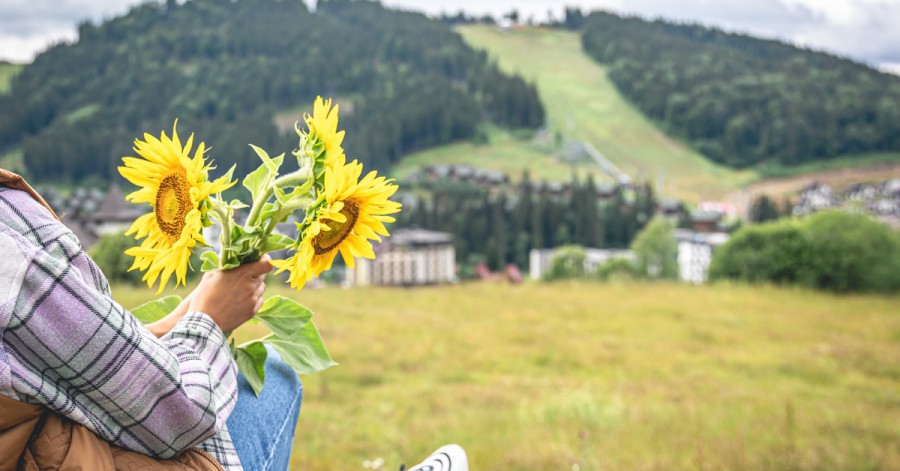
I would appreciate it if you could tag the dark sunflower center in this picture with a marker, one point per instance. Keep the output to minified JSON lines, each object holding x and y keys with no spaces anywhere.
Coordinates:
{"x":328,"y":240}
{"x":173,"y":202}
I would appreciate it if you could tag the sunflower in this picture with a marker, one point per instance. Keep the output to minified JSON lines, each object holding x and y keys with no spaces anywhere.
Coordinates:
{"x":353,"y":213}
{"x":177,"y":188}
{"x":323,"y":126}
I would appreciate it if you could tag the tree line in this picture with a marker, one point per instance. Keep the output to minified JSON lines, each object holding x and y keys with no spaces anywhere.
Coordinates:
{"x":228,"y":68}
{"x":499,"y":227}
{"x":742,"y":100}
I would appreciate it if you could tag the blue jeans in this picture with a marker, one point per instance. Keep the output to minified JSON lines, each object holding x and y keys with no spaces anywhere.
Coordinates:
{"x":262,"y":428}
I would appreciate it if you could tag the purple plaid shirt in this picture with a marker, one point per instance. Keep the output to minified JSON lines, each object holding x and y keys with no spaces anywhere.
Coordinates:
{"x":66,"y":344}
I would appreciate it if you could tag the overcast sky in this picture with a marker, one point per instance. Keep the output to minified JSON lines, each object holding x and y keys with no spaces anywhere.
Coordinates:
{"x":866,"y":30}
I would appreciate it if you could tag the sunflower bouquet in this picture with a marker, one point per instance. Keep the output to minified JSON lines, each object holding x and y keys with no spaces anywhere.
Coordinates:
{"x":334,"y":207}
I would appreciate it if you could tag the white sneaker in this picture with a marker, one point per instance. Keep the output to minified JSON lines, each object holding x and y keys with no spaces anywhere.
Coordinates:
{"x":445,"y":458}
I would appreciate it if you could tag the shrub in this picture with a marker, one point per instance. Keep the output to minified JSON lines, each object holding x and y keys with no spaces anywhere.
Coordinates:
{"x":852,"y":252}
{"x":617,"y":269}
{"x":775,"y":253}
{"x":109,"y":255}
{"x":567,"y":262}
{"x":835,"y":251}
{"x":656,"y":250}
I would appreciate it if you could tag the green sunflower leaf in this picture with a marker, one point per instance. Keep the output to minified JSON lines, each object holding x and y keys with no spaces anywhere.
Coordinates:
{"x":251,"y":362}
{"x":256,"y":181}
{"x":275,"y":242}
{"x":284,"y":316}
{"x":155,"y":310}
{"x":210,"y":261}
{"x":279,"y":193}
{"x":304,"y":351}
{"x":269,"y":211}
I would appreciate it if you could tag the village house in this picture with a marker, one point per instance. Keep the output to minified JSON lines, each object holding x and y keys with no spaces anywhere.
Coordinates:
{"x":90,"y":213}
{"x":408,"y":257}
{"x":671,"y":209}
{"x":815,"y":197}
{"x":539,"y":260}
{"x":695,"y":252}
{"x":114,"y":215}
{"x":463,"y":174}
{"x":606,"y":191}
{"x":880,"y":199}
{"x":706,"y":221}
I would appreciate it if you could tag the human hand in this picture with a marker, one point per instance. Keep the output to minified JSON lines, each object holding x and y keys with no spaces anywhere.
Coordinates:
{"x":233,"y":296}
{"x":166,"y":324}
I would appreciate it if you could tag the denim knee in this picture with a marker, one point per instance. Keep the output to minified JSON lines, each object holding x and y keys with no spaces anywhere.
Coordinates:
{"x":279,"y":371}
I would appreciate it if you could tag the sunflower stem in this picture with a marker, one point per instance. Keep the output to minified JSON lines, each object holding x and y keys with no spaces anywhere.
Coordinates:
{"x":225,"y":236}
{"x":297,"y":178}
{"x":258,"y":204}
{"x":286,"y":211}
{"x":261,"y":339}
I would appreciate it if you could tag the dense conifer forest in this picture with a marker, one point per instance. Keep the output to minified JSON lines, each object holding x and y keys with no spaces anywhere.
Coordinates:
{"x":501,"y":226}
{"x":227,"y":69}
{"x":742,"y":100}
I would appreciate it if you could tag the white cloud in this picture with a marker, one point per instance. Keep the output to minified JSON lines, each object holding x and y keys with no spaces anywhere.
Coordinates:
{"x":890,"y":67}
{"x":862,"y":29}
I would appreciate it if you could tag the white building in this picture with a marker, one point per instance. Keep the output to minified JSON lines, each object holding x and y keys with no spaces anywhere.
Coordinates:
{"x":695,"y":250}
{"x":539,"y":259}
{"x":408,"y":257}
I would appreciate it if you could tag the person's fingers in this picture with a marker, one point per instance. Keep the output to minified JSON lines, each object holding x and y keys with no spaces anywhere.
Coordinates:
{"x":258,"y":306}
{"x":260,"y":290}
{"x":259,"y":268}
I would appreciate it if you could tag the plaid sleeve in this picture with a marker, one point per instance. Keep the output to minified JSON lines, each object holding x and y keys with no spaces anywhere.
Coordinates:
{"x":71,"y":347}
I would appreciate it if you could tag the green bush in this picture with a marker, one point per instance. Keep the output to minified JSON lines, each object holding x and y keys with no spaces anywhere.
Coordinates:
{"x":109,"y":255}
{"x":617,"y":269}
{"x":567,"y":262}
{"x":775,"y":252}
{"x":656,"y":250}
{"x":834,"y":251}
{"x":853,"y":252}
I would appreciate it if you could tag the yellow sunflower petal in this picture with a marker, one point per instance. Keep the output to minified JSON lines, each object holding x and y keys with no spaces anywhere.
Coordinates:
{"x":177,"y":187}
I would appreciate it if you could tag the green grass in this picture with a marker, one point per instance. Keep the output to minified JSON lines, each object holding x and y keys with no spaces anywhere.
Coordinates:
{"x":7,"y":72}
{"x":582,"y":103}
{"x":606,"y":376}
{"x":504,"y":152}
{"x":84,"y":112}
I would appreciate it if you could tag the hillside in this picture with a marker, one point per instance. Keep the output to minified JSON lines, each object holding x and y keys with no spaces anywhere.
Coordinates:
{"x":10,"y":159}
{"x":746,"y":101}
{"x":605,"y":376}
{"x":237,"y":72}
{"x":583,"y":104}
{"x":7,"y":71}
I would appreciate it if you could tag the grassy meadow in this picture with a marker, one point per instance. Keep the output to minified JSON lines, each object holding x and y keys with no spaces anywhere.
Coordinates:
{"x":602,"y":376}
{"x":582,"y":103}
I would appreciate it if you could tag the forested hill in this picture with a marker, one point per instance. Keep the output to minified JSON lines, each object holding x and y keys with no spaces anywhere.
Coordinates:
{"x":228,"y":68}
{"x":742,"y":100}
